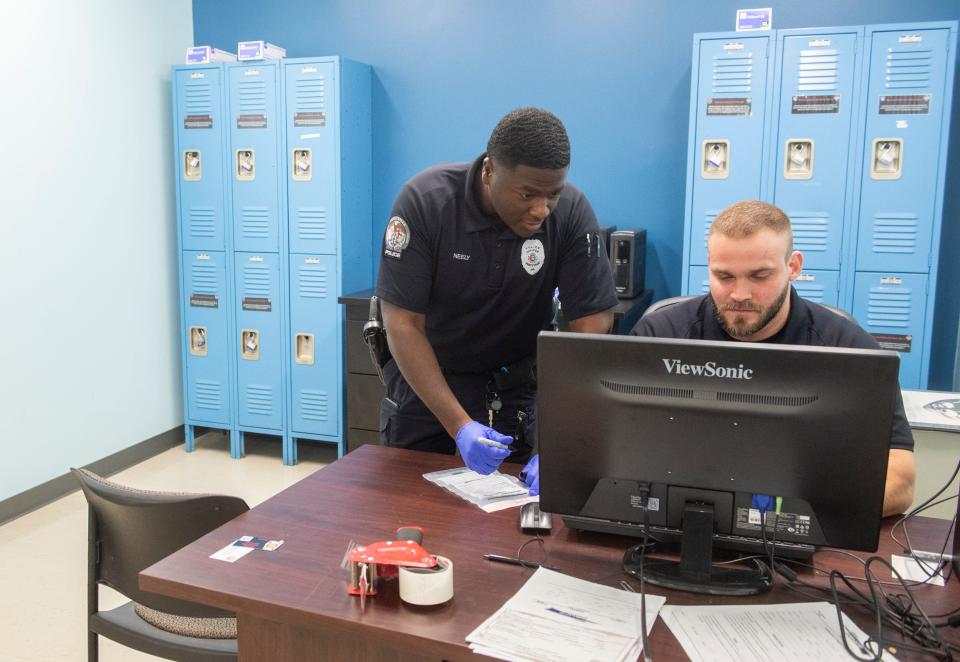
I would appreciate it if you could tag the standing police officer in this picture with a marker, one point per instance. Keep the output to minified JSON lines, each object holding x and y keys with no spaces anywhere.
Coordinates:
{"x":471,"y":256}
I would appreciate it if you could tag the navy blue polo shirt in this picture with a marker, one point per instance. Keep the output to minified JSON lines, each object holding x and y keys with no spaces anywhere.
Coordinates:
{"x":807,"y":325}
{"x":485,"y":291}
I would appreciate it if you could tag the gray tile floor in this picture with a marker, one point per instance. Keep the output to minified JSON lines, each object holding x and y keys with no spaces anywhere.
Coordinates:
{"x":43,"y":569}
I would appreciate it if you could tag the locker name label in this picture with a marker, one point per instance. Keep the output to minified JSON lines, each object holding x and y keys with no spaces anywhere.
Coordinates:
{"x":733,"y":106}
{"x":894,"y":341}
{"x":197,"y":122}
{"x":310,"y":119}
{"x":905,"y":104}
{"x":204,"y":301}
{"x":815,"y":103}
{"x":257,"y":304}
{"x":251,"y":121}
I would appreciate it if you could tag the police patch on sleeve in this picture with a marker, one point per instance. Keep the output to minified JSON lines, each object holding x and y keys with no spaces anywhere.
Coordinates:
{"x":532,"y":255}
{"x":397,"y":237}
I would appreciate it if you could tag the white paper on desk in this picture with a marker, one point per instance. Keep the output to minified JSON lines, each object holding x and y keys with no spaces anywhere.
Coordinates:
{"x":912,"y":571}
{"x":557,"y":617}
{"x":492,"y":492}
{"x":757,"y":633}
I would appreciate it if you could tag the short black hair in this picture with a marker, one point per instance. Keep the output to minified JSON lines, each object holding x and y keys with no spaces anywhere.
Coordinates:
{"x":532,"y":137}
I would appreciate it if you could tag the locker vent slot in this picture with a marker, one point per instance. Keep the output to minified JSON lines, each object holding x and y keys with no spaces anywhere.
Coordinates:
{"x":260,"y":399}
{"x":309,"y":95}
{"x":809,"y":292}
{"x":889,"y":307}
{"x":207,"y":394}
{"x":818,"y":71}
{"x":708,"y":218}
{"x":732,"y":73}
{"x":810,"y":231}
{"x":256,"y":281}
{"x":894,"y":233}
{"x":253,"y":96}
{"x":313,"y":282}
{"x":312,"y":223}
{"x":909,"y":69}
{"x":314,"y":405}
{"x":203,"y":279}
{"x":198,"y":98}
{"x":201,"y":221}
{"x":255,"y":222}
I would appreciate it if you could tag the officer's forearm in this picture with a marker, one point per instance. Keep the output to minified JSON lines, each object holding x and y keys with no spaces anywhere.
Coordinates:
{"x":596,"y":323}
{"x":901,"y":476}
{"x":407,"y":338}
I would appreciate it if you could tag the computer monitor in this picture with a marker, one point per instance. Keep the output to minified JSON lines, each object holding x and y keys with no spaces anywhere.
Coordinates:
{"x":694,"y":429}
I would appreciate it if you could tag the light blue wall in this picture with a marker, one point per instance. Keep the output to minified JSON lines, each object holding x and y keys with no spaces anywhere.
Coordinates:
{"x":616,"y":71}
{"x":89,"y":343}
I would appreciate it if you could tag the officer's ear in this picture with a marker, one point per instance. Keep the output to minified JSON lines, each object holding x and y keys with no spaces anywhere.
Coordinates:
{"x":486,"y":170}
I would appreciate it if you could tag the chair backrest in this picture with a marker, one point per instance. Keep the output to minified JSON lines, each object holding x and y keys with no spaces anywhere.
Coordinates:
{"x":663,"y":303}
{"x":839,"y":311}
{"x":132,"y":529}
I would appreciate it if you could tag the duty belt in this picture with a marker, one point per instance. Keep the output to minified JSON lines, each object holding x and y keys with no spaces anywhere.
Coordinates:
{"x":504,"y":378}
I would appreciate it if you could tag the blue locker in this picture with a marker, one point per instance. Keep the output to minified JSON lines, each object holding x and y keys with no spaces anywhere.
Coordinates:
{"x":816,"y":78}
{"x":254,"y":155}
{"x":728,"y":117}
{"x":259,"y":344}
{"x":206,"y":339}
{"x":327,"y":164}
{"x":820,"y":286}
{"x":199,"y":123}
{"x":890,"y":307}
{"x":904,"y":106}
{"x":315,"y":384}
{"x":699,"y":280}
{"x":310,"y":95}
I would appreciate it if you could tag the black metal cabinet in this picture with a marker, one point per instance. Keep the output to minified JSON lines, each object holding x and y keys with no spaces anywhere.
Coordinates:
{"x":364,"y":390}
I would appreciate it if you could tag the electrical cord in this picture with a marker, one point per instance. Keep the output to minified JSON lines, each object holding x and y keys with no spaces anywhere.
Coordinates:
{"x":647,"y":656}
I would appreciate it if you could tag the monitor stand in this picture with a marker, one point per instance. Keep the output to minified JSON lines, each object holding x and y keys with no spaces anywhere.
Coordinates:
{"x":695,"y":571}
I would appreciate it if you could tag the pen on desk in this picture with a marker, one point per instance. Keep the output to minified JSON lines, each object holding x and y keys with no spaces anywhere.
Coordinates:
{"x":515,"y":561}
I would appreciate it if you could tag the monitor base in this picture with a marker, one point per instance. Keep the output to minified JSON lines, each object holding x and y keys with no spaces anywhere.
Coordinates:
{"x":718,"y":581}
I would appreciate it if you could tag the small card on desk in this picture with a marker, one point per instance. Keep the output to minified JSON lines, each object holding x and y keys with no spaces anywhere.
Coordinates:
{"x":243,"y":546}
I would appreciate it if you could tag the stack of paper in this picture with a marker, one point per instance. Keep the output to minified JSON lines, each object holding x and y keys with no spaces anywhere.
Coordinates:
{"x":492,"y":492}
{"x":558,"y":618}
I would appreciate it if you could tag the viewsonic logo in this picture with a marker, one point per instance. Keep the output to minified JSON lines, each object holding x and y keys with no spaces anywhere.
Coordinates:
{"x":709,"y":369}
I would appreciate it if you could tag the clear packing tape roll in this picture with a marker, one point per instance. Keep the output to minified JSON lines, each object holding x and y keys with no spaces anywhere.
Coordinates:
{"x":427,"y":586}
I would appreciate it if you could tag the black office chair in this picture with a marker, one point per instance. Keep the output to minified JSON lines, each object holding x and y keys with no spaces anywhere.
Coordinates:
{"x":671,"y":301}
{"x":131,"y":529}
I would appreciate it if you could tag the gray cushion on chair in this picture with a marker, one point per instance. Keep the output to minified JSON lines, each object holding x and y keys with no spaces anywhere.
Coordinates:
{"x":188,"y":626}
{"x":125,"y":627}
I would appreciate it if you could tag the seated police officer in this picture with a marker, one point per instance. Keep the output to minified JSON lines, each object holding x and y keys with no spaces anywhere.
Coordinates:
{"x":751,"y":261}
{"x":471,"y":256}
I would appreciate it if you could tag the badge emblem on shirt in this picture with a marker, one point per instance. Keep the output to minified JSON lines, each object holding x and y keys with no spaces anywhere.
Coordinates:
{"x":397,"y":237}
{"x":532,"y":255}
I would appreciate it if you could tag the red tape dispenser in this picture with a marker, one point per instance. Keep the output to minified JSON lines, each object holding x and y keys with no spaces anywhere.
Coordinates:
{"x":425,"y":579}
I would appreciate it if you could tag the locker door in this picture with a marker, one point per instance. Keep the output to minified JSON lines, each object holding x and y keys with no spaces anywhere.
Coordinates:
{"x":699,"y":281}
{"x":207,"y":337}
{"x":730,"y":113}
{"x":257,"y":341}
{"x":900,"y":152}
{"x":254,"y":136}
{"x":199,"y":127}
{"x":315,"y":369}
{"x":891,"y":308}
{"x":816,"y":94}
{"x":819,"y":286}
{"x":311,"y":156}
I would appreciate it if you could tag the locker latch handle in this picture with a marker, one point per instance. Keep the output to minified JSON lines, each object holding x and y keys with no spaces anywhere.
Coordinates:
{"x":246,"y":164}
{"x":192,"y":170}
{"x":715,"y":163}
{"x":798,"y":159}
{"x":887,"y":159}
{"x":198,"y":340}
{"x":302,"y":164}
{"x":304,"y":349}
{"x":250,"y":344}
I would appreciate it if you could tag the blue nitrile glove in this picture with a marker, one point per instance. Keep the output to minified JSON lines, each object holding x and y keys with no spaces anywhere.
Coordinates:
{"x":482,"y":457}
{"x":531,"y":475}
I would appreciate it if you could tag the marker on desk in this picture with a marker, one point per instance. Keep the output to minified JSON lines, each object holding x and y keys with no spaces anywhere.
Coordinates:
{"x":515,"y":561}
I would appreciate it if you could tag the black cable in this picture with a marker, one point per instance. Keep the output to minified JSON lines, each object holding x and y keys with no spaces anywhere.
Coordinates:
{"x":643,"y":594}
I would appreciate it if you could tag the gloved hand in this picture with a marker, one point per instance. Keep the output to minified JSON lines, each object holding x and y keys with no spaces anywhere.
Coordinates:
{"x":531,"y":475}
{"x":477,"y":455}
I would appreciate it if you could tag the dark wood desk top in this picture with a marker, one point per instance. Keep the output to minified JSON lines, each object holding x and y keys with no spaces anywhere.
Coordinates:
{"x":365,"y":496}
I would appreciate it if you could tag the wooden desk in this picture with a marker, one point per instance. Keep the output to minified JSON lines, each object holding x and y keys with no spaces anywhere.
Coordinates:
{"x":292,"y":604}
